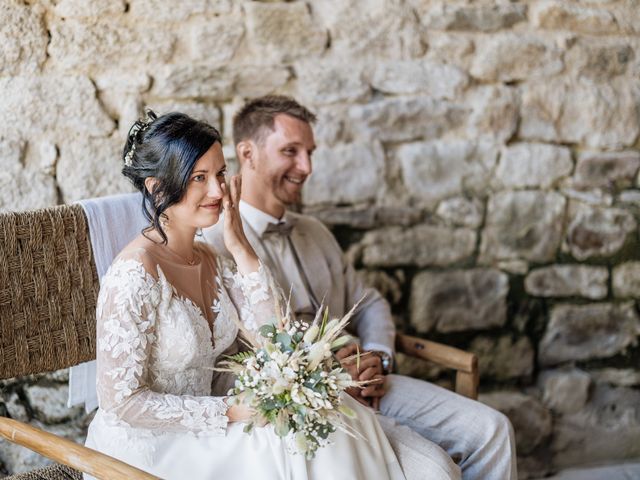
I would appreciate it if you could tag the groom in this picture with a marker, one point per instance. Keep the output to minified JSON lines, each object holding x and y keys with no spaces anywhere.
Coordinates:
{"x":274,"y":145}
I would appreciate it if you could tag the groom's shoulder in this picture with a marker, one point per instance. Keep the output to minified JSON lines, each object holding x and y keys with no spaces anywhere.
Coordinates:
{"x":312,"y":225}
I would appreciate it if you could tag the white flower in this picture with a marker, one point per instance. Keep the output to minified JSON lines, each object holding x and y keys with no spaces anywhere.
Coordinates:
{"x":311,"y":334}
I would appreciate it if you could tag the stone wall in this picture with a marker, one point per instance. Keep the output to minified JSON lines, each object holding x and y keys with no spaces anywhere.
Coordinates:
{"x":478,"y":160}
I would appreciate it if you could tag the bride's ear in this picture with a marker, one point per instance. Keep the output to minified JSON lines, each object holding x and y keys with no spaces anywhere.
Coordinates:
{"x":150,"y":184}
{"x":246,"y":151}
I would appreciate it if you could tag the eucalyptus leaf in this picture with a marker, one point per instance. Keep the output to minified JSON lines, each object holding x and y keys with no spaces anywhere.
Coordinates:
{"x":267,"y":329}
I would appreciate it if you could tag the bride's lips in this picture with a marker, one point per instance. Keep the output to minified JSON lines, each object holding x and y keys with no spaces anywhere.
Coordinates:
{"x":212,"y":206}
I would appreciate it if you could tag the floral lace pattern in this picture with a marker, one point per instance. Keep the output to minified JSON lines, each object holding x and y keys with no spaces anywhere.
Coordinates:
{"x":156,"y":349}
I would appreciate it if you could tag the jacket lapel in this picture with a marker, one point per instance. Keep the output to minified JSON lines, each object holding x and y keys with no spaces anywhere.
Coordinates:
{"x":313,"y":263}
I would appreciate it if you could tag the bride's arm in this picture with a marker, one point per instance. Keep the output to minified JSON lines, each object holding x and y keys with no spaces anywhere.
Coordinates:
{"x":129,"y":302}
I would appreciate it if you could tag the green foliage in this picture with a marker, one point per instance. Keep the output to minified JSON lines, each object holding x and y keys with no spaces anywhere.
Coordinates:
{"x":239,"y":357}
{"x":267,"y":329}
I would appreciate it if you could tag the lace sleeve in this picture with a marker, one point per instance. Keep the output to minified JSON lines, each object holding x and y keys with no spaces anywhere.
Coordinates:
{"x":128,"y":306}
{"x":256,"y":296}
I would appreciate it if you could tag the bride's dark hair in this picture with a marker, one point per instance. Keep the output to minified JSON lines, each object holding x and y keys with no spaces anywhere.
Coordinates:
{"x":166,"y":148}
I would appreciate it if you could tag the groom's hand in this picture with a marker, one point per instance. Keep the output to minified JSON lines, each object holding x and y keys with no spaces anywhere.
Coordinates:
{"x":367,"y":368}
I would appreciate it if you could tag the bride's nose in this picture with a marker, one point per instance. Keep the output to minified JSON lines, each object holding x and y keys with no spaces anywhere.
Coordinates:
{"x":214,"y":188}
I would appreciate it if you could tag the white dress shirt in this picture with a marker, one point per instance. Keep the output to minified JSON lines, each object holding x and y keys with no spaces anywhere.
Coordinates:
{"x":282,"y":258}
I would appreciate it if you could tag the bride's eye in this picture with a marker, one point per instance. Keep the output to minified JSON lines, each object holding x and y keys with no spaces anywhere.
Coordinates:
{"x":198,"y":178}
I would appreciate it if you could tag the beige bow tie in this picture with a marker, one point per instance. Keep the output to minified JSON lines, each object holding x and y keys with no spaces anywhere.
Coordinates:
{"x":281,"y":228}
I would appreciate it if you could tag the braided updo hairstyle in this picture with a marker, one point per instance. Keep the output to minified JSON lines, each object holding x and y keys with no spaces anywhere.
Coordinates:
{"x":165,"y":148}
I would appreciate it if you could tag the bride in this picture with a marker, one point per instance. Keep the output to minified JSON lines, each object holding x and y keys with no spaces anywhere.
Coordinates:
{"x":167,"y":310}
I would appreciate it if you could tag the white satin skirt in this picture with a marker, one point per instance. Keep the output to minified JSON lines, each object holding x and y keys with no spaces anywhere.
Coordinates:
{"x":260,"y":455}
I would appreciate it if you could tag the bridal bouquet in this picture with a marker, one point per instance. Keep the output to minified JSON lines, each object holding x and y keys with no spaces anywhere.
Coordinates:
{"x":293,"y":382}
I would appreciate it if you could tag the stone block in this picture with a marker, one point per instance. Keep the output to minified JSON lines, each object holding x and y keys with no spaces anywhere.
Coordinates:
{"x":596,"y":115}
{"x":522,"y":225}
{"x":162,"y":11}
{"x":16,"y":408}
{"x":424,"y":370}
{"x":348,"y":173}
{"x":322,"y":82}
{"x":333,"y":125}
{"x":256,"y":81}
{"x":217,"y":83}
{"x":600,"y":58}
{"x":494,"y":112}
{"x":371,"y":29}
{"x":11,"y":152}
{"x":100,"y":175}
{"x":606,"y":430}
{"x":19,"y":459}
{"x":436,"y":80}
{"x":459,"y":300}
{"x":512,"y":57}
{"x":629,"y":198}
{"x":76,"y":44}
{"x":433,"y":171}
{"x":596,"y":231}
{"x":26,"y":189}
{"x":49,"y":403}
{"x":626,"y":280}
{"x":422,"y":245}
{"x":54,"y":106}
{"x":283,"y":32}
{"x":404,"y":119}
{"x":131,"y":81}
{"x":404,"y":215}
{"x":621,"y":471}
{"x":216,"y":39}
{"x":450,"y":48}
{"x":390,"y":287}
{"x":565,"y":391}
{"x":532,"y":422}
{"x":481,"y":18}
{"x":193,"y":81}
{"x":206,"y":112}
{"x":618,"y":377}
{"x":525,"y":165}
{"x":503,"y":358}
{"x":568,"y":281}
{"x":93,"y":9}
{"x":41,"y":155}
{"x":461,"y":212}
{"x":23,"y":39}
{"x":359,"y":216}
{"x":584,"y":332}
{"x":559,"y":15}
{"x":607,"y":170}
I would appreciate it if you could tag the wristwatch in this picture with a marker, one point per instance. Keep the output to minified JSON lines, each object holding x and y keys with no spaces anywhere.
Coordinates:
{"x":387,"y":361}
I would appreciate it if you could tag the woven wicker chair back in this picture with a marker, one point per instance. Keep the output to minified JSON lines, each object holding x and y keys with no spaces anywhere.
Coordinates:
{"x":48,"y":291}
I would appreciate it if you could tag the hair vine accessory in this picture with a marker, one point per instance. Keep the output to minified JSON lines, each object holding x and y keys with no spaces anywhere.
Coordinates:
{"x":137,"y":128}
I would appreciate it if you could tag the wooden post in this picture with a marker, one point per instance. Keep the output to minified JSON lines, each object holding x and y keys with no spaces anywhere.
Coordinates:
{"x":465,"y":363}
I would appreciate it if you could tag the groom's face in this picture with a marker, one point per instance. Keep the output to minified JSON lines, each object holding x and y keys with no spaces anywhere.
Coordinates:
{"x":284,"y":159}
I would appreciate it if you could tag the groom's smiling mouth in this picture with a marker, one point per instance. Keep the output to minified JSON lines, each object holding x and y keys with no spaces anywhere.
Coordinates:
{"x":296,"y":180}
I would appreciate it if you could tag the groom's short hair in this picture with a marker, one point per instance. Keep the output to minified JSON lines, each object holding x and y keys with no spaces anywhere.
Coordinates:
{"x":258,"y":114}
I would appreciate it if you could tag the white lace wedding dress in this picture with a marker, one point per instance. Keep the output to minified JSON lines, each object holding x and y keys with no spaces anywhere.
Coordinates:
{"x":161,"y":326}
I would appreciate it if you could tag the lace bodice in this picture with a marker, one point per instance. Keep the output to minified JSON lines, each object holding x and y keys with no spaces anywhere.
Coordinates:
{"x":156,"y":350}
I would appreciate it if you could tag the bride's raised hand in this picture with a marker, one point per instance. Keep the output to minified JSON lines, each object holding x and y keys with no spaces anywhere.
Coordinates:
{"x":234,"y":237}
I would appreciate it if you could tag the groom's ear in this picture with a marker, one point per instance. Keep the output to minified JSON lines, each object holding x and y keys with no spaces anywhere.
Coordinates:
{"x":246,"y":151}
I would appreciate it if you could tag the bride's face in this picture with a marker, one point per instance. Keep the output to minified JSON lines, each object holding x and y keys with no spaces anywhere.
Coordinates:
{"x":202,"y":202}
